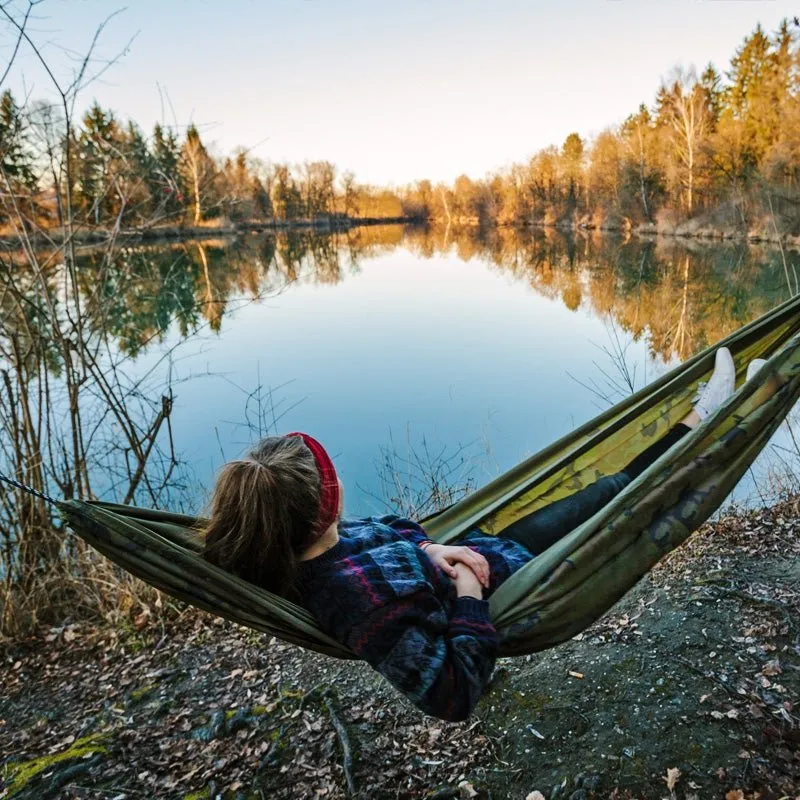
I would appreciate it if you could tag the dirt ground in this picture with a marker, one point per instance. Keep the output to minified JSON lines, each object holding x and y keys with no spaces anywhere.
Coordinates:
{"x":688,"y":688}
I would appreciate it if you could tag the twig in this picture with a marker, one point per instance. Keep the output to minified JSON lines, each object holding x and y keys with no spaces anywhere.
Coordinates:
{"x":706,"y":675}
{"x":774,"y":604}
{"x":21,"y":31}
{"x":783,"y":254}
{"x":344,"y":740}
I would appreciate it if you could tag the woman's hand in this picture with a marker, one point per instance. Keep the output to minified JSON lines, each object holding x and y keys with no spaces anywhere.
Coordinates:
{"x":447,"y":558}
{"x":466,"y":581}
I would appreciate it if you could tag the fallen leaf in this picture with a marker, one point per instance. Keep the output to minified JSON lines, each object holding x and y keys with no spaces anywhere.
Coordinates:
{"x":467,"y":790}
{"x":772,"y":668}
{"x":735,"y":794}
{"x":533,"y":730}
{"x":535,"y":796}
{"x":671,"y":778}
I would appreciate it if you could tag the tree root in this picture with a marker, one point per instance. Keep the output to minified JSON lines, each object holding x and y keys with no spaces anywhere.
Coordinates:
{"x":344,"y":740}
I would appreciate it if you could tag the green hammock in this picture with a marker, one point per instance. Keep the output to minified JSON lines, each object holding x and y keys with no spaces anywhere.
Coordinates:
{"x":563,"y":590}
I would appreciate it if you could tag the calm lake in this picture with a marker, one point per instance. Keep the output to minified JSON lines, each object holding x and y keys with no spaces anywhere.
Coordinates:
{"x":394,"y":345}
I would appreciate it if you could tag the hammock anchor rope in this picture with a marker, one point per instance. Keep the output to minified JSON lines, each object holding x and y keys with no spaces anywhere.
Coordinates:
{"x":28,"y":489}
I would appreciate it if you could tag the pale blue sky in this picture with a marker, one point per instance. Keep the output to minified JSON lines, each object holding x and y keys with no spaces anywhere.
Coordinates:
{"x":393,"y":91}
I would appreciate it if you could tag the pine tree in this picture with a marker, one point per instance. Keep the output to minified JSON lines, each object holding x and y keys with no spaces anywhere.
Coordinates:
{"x":98,"y":148}
{"x":286,"y":199}
{"x":16,"y":159}
{"x":167,"y":183}
{"x":751,"y":94}
{"x":138,"y":178}
{"x":259,"y":197}
{"x":711,"y":84}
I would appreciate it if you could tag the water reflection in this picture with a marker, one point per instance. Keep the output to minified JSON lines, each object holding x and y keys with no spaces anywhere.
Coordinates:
{"x":474,"y":337}
{"x":683,"y":295}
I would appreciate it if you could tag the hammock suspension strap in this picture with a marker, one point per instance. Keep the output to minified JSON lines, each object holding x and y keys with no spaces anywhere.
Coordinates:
{"x":28,"y":489}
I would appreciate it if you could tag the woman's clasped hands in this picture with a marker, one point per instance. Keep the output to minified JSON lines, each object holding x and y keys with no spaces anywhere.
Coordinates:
{"x":468,"y":569}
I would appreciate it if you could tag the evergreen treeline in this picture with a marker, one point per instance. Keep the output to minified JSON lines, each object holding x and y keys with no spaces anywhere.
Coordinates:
{"x":110,"y":173}
{"x":714,"y":153}
{"x":721,"y":151}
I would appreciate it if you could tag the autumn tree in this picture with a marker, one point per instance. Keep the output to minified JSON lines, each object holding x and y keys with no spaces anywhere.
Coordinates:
{"x":572,"y":169}
{"x":543,"y":180}
{"x":348,"y":180}
{"x":605,"y":170}
{"x":286,"y":199}
{"x":642,"y":184}
{"x":199,"y":171}
{"x":685,"y":114}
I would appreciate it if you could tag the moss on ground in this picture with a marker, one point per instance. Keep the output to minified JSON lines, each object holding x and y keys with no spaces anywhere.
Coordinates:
{"x":18,"y":775}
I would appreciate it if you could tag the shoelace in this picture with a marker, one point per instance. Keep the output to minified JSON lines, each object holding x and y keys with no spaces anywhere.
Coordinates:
{"x":701,"y":387}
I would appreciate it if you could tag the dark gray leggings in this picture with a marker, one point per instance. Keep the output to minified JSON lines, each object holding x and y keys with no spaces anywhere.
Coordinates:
{"x":544,"y":527}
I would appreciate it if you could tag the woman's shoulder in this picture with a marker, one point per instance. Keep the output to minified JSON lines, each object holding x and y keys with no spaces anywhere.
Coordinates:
{"x":365,"y":542}
{"x":380,"y":521}
{"x":390,"y":526}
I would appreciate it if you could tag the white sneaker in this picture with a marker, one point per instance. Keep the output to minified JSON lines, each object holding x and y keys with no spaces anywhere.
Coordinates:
{"x":754,"y":366}
{"x":719,"y":387}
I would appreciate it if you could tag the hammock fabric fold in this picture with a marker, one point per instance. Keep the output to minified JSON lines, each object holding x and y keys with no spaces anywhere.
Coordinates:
{"x":563,"y":590}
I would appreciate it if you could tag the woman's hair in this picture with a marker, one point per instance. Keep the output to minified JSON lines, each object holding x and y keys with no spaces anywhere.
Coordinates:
{"x":263,"y":512}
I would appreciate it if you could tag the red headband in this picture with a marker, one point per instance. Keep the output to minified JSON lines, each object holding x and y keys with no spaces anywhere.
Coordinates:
{"x":329,"y":484}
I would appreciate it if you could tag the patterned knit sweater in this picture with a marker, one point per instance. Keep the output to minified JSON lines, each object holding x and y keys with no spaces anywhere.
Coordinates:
{"x":377,"y":592}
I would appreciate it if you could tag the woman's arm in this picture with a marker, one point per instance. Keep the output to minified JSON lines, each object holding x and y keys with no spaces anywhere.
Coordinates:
{"x":442,"y":664}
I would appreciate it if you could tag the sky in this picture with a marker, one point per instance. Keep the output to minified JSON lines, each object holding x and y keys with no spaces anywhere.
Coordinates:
{"x":392,"y":91}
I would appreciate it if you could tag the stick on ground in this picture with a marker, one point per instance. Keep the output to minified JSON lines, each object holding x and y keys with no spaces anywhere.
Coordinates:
{"x":344,"y":740}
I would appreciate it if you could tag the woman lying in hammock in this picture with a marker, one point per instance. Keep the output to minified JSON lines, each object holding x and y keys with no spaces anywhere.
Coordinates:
{"x":415,"y":610}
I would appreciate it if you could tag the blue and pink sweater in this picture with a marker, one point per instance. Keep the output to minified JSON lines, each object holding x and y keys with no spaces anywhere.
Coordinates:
{"x":377,"y":592}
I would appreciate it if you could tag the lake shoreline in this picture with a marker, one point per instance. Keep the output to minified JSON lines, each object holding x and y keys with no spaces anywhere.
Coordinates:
{"x":689,"y":230}
{"x":163,"y":233}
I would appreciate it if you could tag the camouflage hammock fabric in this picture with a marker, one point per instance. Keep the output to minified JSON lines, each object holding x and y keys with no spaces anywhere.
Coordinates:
{"x":566,"y":588}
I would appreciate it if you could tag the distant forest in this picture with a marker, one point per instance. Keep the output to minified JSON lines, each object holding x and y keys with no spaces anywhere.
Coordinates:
{"x":715,"y":153}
